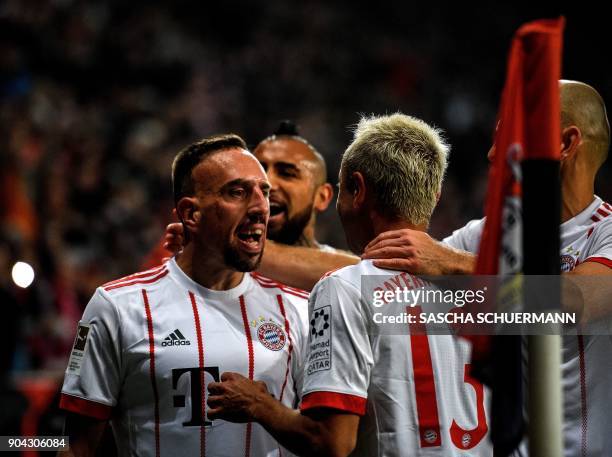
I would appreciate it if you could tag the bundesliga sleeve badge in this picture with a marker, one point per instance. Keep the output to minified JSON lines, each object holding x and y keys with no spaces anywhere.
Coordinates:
{"x":78,"y":349}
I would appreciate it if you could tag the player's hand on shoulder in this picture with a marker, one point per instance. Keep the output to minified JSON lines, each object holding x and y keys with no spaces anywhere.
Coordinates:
{"x":236,"y":398}
{"x":404,"y":249}
{"x":416,"y":252}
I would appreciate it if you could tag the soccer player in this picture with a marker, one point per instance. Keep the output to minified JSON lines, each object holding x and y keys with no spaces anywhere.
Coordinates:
{"x":149,"y":343}
{"x":367,"y":393}
{"x":298,"y":176}
{"x":586,"y":249}
{"x":299,"y":191}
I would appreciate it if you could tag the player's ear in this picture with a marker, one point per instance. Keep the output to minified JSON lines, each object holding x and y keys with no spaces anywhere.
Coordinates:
{"x":323,"y":197}
{"x":571,"y":138}
{"x":359,"y":189}
{"x":189,"y":214}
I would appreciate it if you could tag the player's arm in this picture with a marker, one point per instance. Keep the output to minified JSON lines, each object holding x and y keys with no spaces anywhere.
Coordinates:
{"x":319,"y":432}
{"x":93,"y":378}
{"x":300,"y":266}
{"x":594,"y":281}
{"x":84,"y":434}
{"x":418,"y":253}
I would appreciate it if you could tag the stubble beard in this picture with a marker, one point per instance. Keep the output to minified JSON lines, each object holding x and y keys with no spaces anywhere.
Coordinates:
{"x":241,"y":262}
{"x":292,"y":230}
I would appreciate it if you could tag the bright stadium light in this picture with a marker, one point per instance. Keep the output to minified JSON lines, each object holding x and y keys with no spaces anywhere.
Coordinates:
{"x":23,"y":274}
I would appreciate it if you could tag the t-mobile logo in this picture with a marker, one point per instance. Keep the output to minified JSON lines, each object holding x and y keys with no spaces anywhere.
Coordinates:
{"x":198,"y":380}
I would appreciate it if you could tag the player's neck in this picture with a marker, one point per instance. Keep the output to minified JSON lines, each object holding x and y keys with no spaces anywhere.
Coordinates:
{"x":307,"y":238}
{"x":376,"y":224}
{"x":576,"y":194}
{"x":383,"y":224}
{"x":203,"y":270}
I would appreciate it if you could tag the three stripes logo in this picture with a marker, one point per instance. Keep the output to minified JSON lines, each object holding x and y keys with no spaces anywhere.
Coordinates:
{"x":176,"y":338}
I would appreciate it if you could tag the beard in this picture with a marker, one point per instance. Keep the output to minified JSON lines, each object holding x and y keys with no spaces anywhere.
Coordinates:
{"x":239,"y":261}
{"x":292,"y":230}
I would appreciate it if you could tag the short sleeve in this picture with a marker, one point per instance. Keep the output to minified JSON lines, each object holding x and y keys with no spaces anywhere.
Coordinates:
{"x":466,"y":238}
{"x":600,"y":250}
{"x":93,"y":376}
{"x":339,"y":355}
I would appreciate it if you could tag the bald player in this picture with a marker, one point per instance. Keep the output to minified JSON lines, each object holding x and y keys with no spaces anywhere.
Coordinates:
{"x":586,"y":250}
{"x":298,"y":175}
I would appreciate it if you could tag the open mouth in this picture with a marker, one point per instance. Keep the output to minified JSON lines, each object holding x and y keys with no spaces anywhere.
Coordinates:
{"x":277,"y":208}
{"x":250,"y":238}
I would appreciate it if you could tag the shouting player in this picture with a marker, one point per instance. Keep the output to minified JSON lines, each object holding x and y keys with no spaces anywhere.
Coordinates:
{"x":299,"y":191}
{"x":148,"y":344}
{"x":298,"y":176}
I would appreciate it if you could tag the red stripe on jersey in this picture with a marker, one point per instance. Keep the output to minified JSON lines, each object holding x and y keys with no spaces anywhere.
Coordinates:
{"x":138,"y":281}
{"x":296,"y":292}
{"x":264,"y":279}
{"x":424,"y":384}
{"x":330,"y":272}
{"x":286,"y":289}
{"x":595,"y":218}
{"x":196,"y":318}
{"x":260,"y":277}
{"x":603,"y":260}
{"x":607,"y":206}
{"x":268,"y":283}
{"x":602,"y":212}
{"x":247,"y":332}
{"x":583,"y":400}
{"x":288,"y":330}
{"x":141,"y":274}
{"x":334,"y":400}
{"x":152,"y":367}
{"x":590,"y":232}
{"x":85,"y":407}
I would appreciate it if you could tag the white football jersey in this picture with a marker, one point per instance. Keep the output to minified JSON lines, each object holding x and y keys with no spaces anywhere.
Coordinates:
{"x":413,"y":391}
{"x":587,"y":360}
{"x":148,"y":345}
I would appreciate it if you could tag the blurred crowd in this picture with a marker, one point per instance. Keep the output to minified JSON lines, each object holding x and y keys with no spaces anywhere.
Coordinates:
{"x":96,"y":98}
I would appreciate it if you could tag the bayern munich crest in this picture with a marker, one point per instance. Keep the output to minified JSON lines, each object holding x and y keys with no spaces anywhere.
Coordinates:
{"x":430,"y":436}
{"x":567,"y":263}
{"x":272,"y":336}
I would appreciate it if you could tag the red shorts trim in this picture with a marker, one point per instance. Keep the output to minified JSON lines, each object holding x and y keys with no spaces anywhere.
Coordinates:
{"x":602,"y":260}
{"x":85,"y":407}
{"x":343,"y":402}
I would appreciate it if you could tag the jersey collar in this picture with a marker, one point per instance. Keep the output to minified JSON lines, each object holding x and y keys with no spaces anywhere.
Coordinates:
{"x":583,"y":217}
{"x":185,"y":281}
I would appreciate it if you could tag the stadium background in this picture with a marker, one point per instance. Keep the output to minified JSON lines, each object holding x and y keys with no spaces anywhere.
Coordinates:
{"x":97,"y":97}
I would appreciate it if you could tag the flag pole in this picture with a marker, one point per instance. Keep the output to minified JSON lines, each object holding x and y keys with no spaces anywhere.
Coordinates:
{"x":541,"y":219}
{"x":545,"y":399}
{"x":521,"y":234}
{"x":541,"y":47}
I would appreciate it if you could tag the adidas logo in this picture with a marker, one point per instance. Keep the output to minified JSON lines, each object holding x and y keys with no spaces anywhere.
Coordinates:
{"x":176,"y":338}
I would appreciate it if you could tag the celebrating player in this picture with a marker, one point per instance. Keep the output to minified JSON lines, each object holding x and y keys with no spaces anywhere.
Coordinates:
{"x":368,"y":393}
{"x":586,"y":249}
{"x":296,"y":172}
{"x":148,"y":344}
